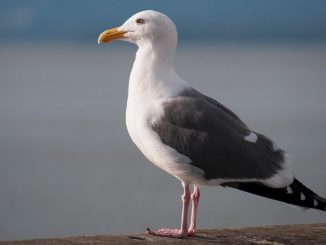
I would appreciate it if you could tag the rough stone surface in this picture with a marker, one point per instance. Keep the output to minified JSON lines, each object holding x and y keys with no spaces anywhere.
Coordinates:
{"x":267,"y":235}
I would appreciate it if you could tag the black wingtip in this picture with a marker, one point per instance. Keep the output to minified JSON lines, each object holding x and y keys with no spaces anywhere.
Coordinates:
{"x":295,"y":194}
{"x":303,"y":196}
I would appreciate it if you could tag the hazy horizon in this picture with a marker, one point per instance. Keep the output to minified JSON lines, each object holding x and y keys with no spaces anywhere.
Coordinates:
{"x":228,"y":20}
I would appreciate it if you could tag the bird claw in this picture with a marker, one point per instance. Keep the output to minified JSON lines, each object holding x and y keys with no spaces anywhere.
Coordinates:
{"x":175,"y":233}
{"x":191,"y":232}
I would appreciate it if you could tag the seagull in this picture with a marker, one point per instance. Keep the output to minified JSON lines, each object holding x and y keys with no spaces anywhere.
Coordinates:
{"x":192,"y":136}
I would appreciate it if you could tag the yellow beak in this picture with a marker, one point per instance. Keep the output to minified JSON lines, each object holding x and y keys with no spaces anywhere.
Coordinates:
{"x":110,"y":35}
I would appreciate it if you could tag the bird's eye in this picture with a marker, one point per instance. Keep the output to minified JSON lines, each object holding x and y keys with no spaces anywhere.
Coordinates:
{"x":140,"y":21}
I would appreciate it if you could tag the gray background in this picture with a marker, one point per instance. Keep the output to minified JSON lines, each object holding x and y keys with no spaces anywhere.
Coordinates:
{"x":67,"y":165}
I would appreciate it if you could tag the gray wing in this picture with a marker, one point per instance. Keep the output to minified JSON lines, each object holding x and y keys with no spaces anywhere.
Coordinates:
{"x":212,"y":136}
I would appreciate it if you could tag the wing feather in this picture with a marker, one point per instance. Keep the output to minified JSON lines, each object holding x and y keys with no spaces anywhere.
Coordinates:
{"x":212,"y":136}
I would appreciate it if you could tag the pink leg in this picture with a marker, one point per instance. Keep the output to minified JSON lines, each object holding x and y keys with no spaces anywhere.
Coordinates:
{"x":182,"y":232}
{"x":195,"y":200}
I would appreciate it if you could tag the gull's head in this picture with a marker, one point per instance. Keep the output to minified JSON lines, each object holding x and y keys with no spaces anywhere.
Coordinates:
{"x":146,"y":27}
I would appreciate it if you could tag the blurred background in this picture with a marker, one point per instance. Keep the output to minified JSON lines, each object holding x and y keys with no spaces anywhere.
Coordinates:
{"x":67,"y":165}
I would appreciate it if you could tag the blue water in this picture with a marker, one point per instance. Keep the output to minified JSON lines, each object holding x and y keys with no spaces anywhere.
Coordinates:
{"x":68,"y":167}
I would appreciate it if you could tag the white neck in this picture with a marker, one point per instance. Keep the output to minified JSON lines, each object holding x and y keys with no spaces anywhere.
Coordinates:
{"x":153,"y":71}
{"x":159,"y":51}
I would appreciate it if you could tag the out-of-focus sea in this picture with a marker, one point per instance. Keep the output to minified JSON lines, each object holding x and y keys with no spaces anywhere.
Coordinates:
{"x":69,"y":168}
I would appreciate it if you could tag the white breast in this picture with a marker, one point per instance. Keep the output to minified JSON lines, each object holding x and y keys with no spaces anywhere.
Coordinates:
{"x":152,"y":83}
{"x":145,"y":109}
{"x":140,"y":117}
